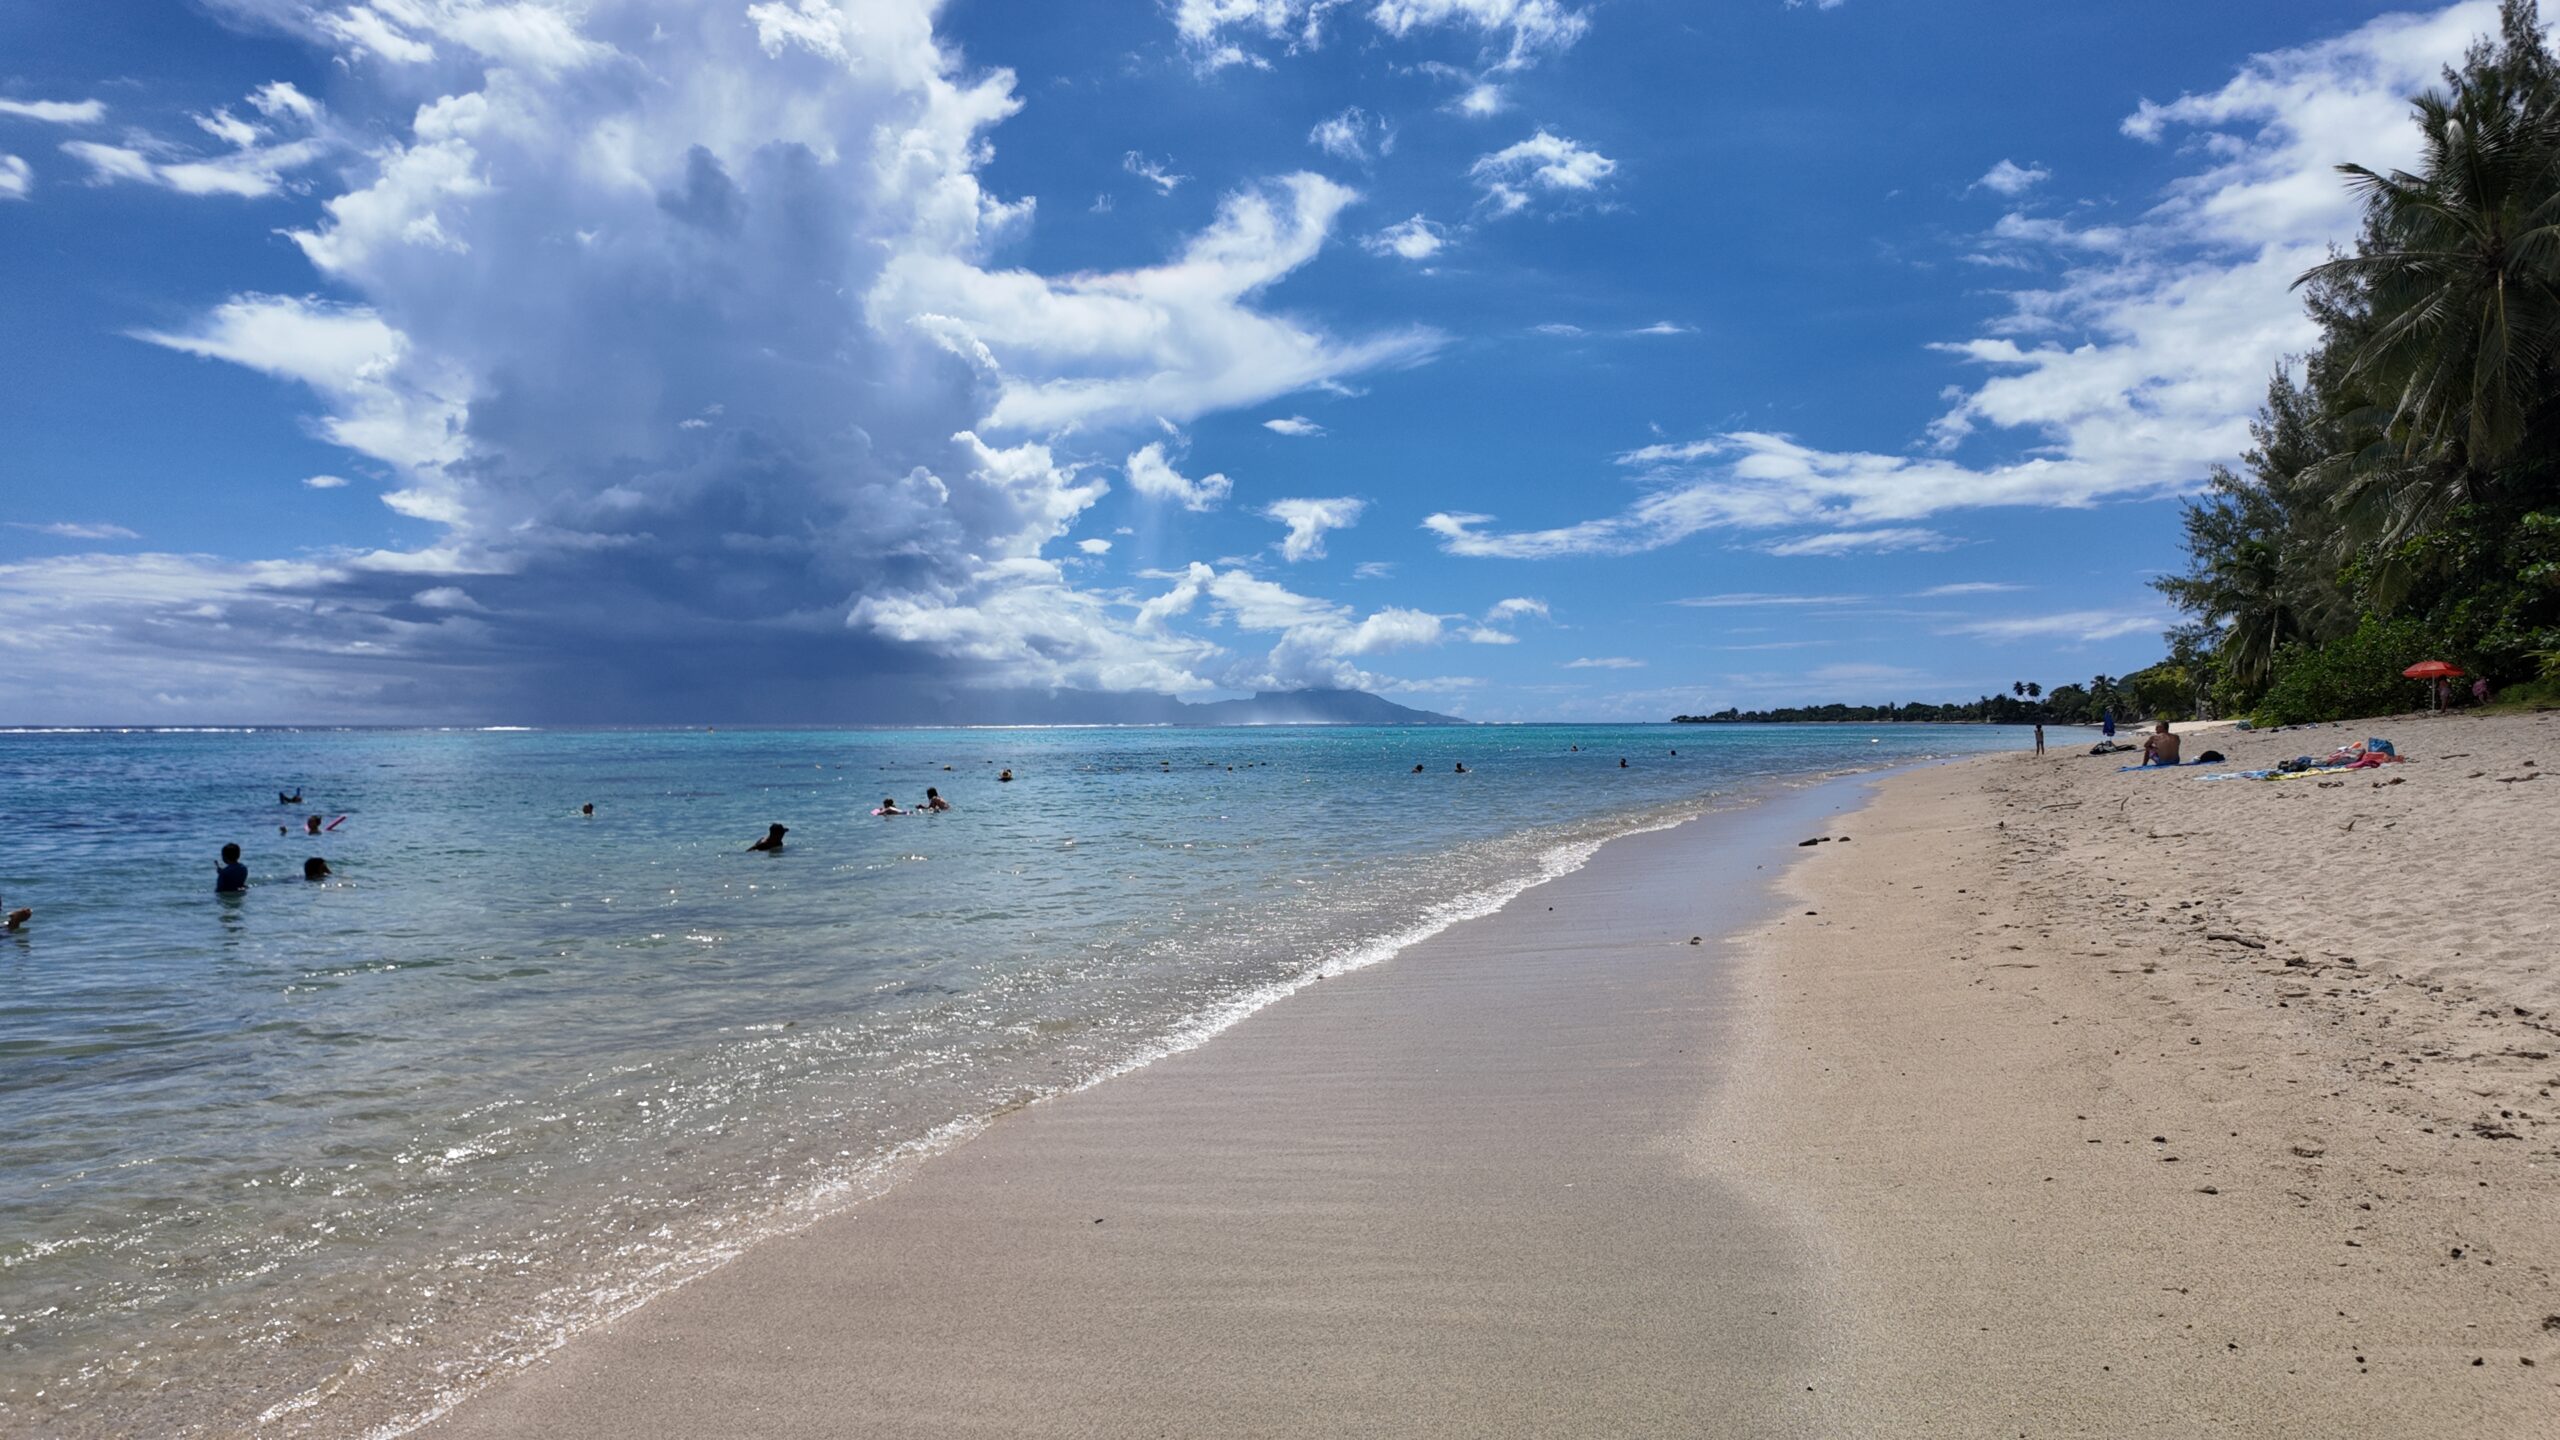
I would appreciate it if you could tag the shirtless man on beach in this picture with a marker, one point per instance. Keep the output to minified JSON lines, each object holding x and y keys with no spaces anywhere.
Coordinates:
{"x":2160,"y":747}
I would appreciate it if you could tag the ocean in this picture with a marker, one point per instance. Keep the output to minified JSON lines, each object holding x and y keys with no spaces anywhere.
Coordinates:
{"x":321,"y":1158}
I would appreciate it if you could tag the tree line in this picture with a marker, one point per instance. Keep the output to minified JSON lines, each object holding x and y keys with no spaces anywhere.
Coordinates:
{"x":2147,"y":692}
{"x":2402,"y":499}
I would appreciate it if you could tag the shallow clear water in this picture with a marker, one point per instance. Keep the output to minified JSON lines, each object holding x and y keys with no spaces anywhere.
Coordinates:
{"x":328,"y":1154}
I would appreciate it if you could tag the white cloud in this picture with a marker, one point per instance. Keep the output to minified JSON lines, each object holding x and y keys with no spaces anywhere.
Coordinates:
{"x":445,"y":597}
{"x":1318,"y":638}
{"x":1374,"y":570}
{"x":2010,"y":178}
{"x":1481,"y":101}
{"x":1545,"y":163}
{"x":70,"y":530}
{"x":1560,"y":330}
{"x":1849,"y":542}
{"x":1175,"y":340}
{"x":2082,"y":626}
{"x":1487,"y":635}
{"x":1295,"y":426}
{"x":294,"y":136}
{"x":1094,"y":546}
{"x":17,"y":178}
{"x":1969,"y":587}
{"x":1604,"y":662}
{"x":1664,"y":327}
{"x":1155,"y":173}
{"x":326,"y":482}
{"x":1152,"y":475}
{"x":1415,"y":239}
{"x":1514,"y":608}
{"x":1517,"y":32}
{"x":2129,"y":377}
{"x":1308,"y":520}
{"x":1354,"y":135}
{"x":388,"y":403}
{"x":56,"y":112}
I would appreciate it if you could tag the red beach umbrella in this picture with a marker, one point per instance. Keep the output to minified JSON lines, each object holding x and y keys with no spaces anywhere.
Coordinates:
{"x":2432,"y":670}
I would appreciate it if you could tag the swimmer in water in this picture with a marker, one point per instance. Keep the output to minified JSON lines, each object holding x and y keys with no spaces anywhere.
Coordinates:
{"x":1622,"y":762}
{"x":587,"y":809}
{"x":933,"y":800}
{"x":17,"y":917}
{"x":233,"y":877}
{"x":772,"y":838}
{"x":1005,"y":777}
{"x":888,"y":807}
{"x":315,"y":869}
{"x":310,"y":824}
{"x":293,"y":799}
{"x":1462,"y":768}
{"x":1417,"y":769}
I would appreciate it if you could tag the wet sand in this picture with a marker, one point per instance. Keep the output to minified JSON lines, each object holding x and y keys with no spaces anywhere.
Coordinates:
{"x":1451,"y":1195}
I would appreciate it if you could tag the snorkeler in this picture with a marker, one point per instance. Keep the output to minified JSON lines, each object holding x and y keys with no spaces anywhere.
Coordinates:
{"x":772,"y":838}
{"x":933,"y":800}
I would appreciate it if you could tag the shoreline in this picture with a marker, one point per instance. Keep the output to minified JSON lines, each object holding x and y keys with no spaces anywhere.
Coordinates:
{"x":1360,"y":1221}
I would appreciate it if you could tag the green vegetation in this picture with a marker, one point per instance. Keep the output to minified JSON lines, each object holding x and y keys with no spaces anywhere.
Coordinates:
{"x":2026,"y":703}
{"x":2402,"y":502}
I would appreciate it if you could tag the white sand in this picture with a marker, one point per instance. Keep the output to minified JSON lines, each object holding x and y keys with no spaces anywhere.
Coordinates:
{"x":2081,"y":1167}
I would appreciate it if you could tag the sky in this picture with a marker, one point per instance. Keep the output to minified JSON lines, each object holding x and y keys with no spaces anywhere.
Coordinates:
{"x":667,"y":361}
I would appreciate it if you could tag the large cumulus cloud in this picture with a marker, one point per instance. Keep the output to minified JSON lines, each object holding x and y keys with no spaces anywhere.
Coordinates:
{"x":689,"y":326}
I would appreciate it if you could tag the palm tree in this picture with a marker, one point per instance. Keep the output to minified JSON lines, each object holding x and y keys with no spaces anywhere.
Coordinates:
{"x":2458,"y":276}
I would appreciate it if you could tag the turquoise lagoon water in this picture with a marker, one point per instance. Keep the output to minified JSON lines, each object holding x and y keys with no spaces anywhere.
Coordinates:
{"x":317,"y":1159}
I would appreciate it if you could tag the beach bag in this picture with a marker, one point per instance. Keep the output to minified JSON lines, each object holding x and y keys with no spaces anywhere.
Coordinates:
{"x":2210,"y":757}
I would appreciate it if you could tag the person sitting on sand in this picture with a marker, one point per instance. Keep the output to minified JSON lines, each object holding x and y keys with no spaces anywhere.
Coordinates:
{"x":315,"y":869}
{"x":933,"y":800}
{"x":772,"y":838}
{"x":2160,"y":747}
{"x":233,"y":877}
{"x":888,"y":807}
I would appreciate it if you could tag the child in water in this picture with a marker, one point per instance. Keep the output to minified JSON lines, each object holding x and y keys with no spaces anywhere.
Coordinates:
{"x":933,"y":800}
{"x":888,"y":807}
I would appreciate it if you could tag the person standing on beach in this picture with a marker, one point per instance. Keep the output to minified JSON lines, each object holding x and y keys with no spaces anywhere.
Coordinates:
{"x":233,"y":877}
{"x":2039,"y":737}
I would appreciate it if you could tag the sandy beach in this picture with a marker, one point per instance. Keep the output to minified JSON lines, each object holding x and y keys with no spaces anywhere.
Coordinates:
{"x":2127,"y":1104}
{"x":2045,"y":1100}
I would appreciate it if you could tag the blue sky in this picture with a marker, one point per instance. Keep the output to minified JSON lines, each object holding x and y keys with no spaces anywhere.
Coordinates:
{"x":785,"y":359}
